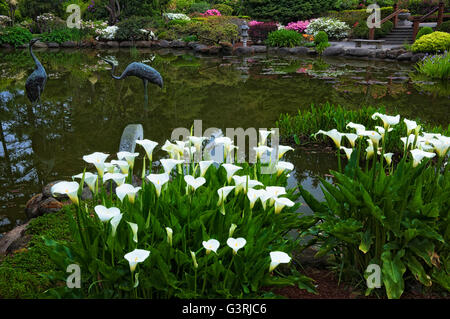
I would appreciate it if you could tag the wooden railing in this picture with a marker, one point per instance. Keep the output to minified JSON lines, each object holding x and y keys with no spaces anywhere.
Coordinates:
{"x":418,"y":20}
{"x":393,"y":16}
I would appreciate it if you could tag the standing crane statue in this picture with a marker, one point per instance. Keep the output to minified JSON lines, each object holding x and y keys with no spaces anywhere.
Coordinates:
{"x":143,"y":71}
{"x":36,"y":81}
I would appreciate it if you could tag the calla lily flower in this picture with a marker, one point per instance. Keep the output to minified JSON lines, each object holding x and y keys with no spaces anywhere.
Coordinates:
{"x":283,"y":166}
{"x":227,"y":144}
{"x":440,"y":146}
{"x":135,"y":257}
{"x":106,"y":214}
{"x":194,"y":259}
{"x":123,"y":165}
{"x":418,"y":156}
{"x":382,"y":131}
{"x":148,"y":146}
{"x":174,"y":150}
{"x":89,"y":178}
{"x":204,"y":165}
{"x":263,"y":135}
{"x":211,"y":245}
{"x":134,"y":229}
{"x":110,"y":168}
{"x":261,"y":150}
{"x":253,"y":196}
{"x":68,"y":188}
{"x":410,"y":126}
{"x":231,"y":170}
{"x":407,"y":141}
{"x":334,"y":135}
{"x":194,"y":182}
{"x":115,"y":221}
{"x":245,"y":182}
{"x":274,"y":192}
{"x":223,"y":193}
{"x":127,"y":190}
{"x":282,"y":149}
{"x":129,"y":157}
{"x":387,"y":120}
{"x":351,"y":138}
{"x":169,"y":164}
{"x":281,"y":202}
{"x":231,"y":230}
{"x":388,"y":158}
{"x":348,"y":151}
{"x":158,"y":180}
{"x":374,"y":136}
{"x":98,"y":159}
{"x":169,"y":232}
{"x":278,"y":257}
{"x":370,"y":151}
{"x":236,"y":244}
{"x":118,"y":178}
{"x":197,"y":142}
{"x":358,"y":127}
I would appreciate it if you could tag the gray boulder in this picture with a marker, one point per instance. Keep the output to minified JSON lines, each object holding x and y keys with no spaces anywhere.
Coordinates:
{"x":260,"y":48}
{"x":69,"y":44}
{"x":360,"y":52}
{"x":405,"y":56}
{"x":333,"y":51}
{"x":113,"y":44}
{"x":417,"y":57}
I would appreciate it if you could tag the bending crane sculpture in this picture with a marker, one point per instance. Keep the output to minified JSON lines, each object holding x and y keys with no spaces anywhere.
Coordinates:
{"x":143,"y":71}
{"x":36,"y":81}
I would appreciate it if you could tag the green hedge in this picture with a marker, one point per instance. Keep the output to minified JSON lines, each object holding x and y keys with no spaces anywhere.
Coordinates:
{"x":444,"y":27}
{"x":431,"y":43}
{"x":284,"y":38}
{"x":15,"y":36}
{"x":353,"y":16}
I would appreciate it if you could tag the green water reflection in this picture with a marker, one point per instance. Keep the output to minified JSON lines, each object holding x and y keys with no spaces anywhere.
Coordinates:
{"x":83,"y":110}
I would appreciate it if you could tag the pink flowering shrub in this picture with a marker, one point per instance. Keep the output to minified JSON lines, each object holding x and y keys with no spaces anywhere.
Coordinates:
{"x":254,"y":22}
{"x":298,"y":26}
{"x":211,"y":12}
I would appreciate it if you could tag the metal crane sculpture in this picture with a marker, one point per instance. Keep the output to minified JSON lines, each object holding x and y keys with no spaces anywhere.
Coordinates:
{"x":36,"y":81}
{"x":143,"y":71}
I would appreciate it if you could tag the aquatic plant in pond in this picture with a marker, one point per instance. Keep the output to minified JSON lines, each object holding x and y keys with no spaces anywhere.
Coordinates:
{"x":435,"y":66}
{"x":393,"y":216}
{"x":155,"y":241}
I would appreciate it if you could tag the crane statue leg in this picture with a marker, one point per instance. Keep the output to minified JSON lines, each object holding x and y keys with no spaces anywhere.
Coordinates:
{"x":146,"y":91}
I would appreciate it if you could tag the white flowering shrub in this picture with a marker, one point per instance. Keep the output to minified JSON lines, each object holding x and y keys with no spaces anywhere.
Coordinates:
{"x":334,"y":28}
{"x":4,"y":21}
{"x":109,"y":33}
{"x":176,"y":16}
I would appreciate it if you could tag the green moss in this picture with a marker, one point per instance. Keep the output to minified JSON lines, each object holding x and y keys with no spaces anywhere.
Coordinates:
{"x":24,"y":274}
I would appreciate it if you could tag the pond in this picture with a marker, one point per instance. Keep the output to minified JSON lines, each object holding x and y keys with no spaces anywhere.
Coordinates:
{"x":84,"y":110}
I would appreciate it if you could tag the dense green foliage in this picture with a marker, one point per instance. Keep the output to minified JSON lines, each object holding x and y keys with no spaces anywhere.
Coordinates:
{"x":362,"y":31}
{"x":34,"y":8}
{"x":321,"y":41}
{"x":27,"y":273}
{"x":435,"y":67}
{"x":444,"y":27}
{"x":422,"y":7}
{"x":431,"y":43}
{"x":199,"y":7}
{"x":210,"y":30}
{"x":130,"y":29}
{"x":62,"y":35}
{"x":15,"y":36}
{"x":423,"y":31}
{"x":284,"y":38}
{"x":224,"y":9}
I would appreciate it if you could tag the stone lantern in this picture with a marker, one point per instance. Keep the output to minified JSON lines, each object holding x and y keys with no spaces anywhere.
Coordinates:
{"x":244,"y":29}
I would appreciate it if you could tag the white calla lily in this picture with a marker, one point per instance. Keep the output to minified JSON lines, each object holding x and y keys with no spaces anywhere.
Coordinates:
{"x":68,"y":188}
{"x":115,"y":221}
{"x":441,"y":146}
{"x":244,"y":183}
{"x":273,"y":192}
{"x":283,"y":166}
{"x":127,"y":190}
{"x":387,"y":120}
{"x":194,"y":259}
{"x":419,"y":155}
{"x":334,"y":135}
{"x":374,"y":136}
{"x":169,"y":164}
{"x":123,"y":165}
{"x":231,"y":230}
{"x":211,"y":245}
{"x":351,"y":138}
{"x":278,"y":257}
{"x":388,"y":158}
{"x":236,"y":244}
{"x":158,"y":180}
{"x":231,"y":170}
{"x":149,"y":147}
{"x":204,"y":165}
{"x":174,"y":150}
{"x":129,"y":157}
{"x":282,"y":202}
{"x":358,"y":127}
{"x":118,"y":178}
{"x":223,"y":193}
{"x":348,"y":151}
{"x":135,"y":257}
{"x":98,"y":160}
{"x":194,"y":182}
{"x":261,"y":150}
{"x":169,"y":232}
{"x":89,"y":178}
{"x":263,"y":135}
{"x":106,"y":214}
{"x":134,"y":228}
{"x":253,"y":196}
{"x":282,"y":149}
{"x":410,"y":126}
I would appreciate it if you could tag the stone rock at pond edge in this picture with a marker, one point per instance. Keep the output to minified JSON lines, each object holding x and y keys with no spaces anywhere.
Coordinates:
{"x":32,"y":206}
{"x":18,"y":244}
{"x":393,"y":54}
{"x":260,"y":48}
{"x":405,"y":56}
{"x":126,"y":44}
{"x":113,"y":44}
{"x":48,"y":206}
{"x":144,"y":44}
{"x":164,"y":44}
{"x":380,"y":54}
{"x":10,"y":237}
{"x":417,"y":57}
{"x":69,"y":44}
{"x":101,"y":45}
{"x":214,"y":49}
{"x":4,"y":221}
{"x":283,"y":50}
{"x":360,"y":52}
{"x":333,"y":51}
{"x":47,"y":191}
{"x":52,"y":45}
{"x":244,"y":50}
{"x":178,"y":44}
{"x":40,"y":45}
{"x":201,"y":48}
{"x":298,"y":50}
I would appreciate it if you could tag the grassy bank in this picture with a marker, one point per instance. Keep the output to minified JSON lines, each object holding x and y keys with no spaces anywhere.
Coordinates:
{"x":301,"y":127}
{"x":25,"y":273}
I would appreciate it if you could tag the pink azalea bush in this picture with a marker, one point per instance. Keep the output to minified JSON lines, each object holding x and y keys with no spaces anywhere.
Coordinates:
{"x":298,"y":26}
{"x":211,"y":12}
{"x":254,"y":22}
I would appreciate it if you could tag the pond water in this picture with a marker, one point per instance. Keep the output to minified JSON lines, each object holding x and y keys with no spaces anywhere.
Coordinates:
{"x":84,"y":110}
